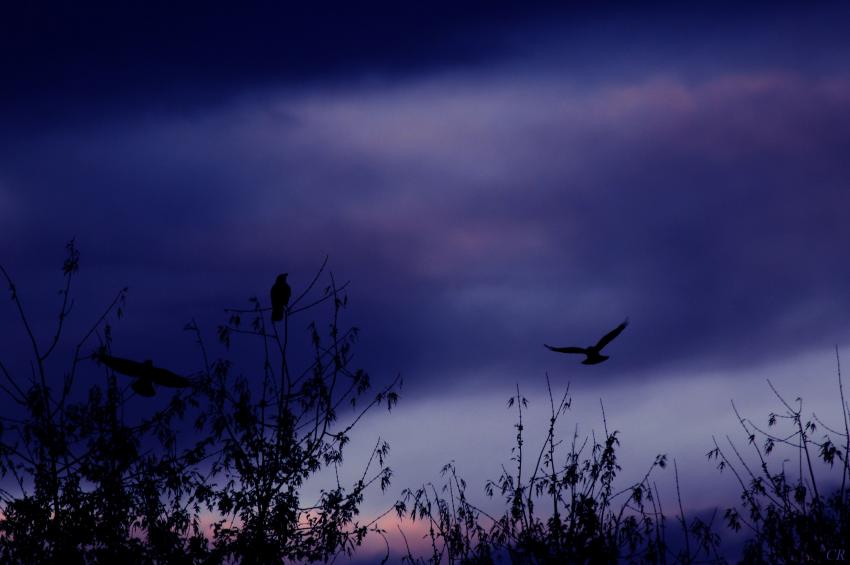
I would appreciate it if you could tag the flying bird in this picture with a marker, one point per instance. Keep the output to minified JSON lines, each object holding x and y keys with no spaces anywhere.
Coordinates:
{"x":280,"y":297}
{"x":593,"y":353}
{"x":146,"y":374}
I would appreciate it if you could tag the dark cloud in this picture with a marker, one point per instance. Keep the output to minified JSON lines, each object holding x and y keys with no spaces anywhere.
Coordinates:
{"x":104,"y":57}
{"x":478,"y":216}
{"x":65,"y":61}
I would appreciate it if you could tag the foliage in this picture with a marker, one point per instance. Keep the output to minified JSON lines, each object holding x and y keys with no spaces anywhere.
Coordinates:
{"x":270,"y":440}
{"x":585,"y":519}
{"x":83,"y":480}
{"x":793,"y":515}
{"x":216,"y":472}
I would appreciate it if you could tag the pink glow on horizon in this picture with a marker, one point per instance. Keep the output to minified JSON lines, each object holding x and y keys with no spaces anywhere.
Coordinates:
{"x":374,"y":544}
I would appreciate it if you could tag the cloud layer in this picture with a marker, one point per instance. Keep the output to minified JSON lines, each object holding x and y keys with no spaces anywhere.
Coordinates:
{"x":486,"y":215}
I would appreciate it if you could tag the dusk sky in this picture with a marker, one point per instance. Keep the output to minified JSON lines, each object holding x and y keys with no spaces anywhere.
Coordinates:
{"x":488,"y":177}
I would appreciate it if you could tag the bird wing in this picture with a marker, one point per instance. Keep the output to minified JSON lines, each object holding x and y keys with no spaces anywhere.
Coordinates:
{"x":124,"y":366}
{"x":566,"y":349}
{"x":165,"y":377}
{"x":609,"y":337}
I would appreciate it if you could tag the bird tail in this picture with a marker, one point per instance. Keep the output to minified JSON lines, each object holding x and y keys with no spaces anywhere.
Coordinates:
{"x":277,"y":314}
{"x":143,"y":387}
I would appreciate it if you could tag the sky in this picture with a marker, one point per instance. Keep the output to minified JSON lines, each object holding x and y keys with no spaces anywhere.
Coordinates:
{"x":489,"y":177}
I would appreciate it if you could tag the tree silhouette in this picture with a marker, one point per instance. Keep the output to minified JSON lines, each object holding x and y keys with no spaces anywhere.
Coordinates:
{"x":272,"y":432}
{"x":86,"y":484}
{"x":82,"y":481}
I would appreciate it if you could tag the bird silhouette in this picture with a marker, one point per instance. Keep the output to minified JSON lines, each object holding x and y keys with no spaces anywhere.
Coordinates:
{"x":280,"y":297}
{"x":146,"y":374}
{"x":593,"y":353}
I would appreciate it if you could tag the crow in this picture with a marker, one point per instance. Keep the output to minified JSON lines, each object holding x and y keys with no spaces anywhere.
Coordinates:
{"x":280,"y":297}
{"x":593,"y":352}
{"x":146,"y":374}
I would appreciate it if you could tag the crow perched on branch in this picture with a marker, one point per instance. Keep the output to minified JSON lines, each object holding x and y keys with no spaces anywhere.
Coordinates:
{"x":146,"y":374}
{"x":593,"y":352}
{"x":280,"y":297}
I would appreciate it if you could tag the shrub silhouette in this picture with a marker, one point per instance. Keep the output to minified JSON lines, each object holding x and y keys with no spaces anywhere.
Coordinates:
{"x":81,"y":482}
{"x":584,"y":519}
{"x":792,"y":517}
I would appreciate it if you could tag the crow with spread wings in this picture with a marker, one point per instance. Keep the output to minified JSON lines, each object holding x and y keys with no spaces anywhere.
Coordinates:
{"x":146,"y":374}
{"x":592,"y":353}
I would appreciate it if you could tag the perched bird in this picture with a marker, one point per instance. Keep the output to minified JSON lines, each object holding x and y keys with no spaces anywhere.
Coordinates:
{"x":146,"y":374}
{"x":280,"y":297}
{"x":593,"y":352}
